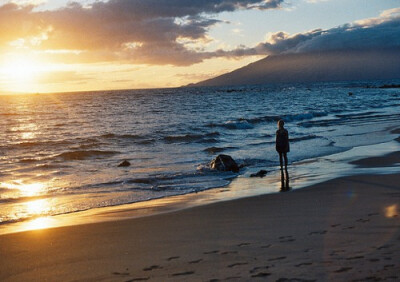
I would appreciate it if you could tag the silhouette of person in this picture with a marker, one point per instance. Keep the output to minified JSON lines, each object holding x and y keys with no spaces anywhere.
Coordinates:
{"x":282,"y":147}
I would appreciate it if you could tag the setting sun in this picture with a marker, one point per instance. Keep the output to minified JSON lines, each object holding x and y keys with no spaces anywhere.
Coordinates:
{"x":21,"y":72}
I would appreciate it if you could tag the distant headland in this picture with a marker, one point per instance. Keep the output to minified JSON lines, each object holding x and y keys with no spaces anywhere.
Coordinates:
{"x":314,"y":67}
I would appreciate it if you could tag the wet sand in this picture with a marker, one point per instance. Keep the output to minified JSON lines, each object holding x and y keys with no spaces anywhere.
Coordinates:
{"x":346,"y":229}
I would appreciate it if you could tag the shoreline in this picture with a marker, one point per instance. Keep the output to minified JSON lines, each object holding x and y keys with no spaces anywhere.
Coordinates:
{"x":343,"y":229}
{"x":347,"y":163}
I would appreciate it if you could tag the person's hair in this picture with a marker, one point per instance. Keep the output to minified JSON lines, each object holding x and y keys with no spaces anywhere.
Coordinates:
{"x":281,"y":123}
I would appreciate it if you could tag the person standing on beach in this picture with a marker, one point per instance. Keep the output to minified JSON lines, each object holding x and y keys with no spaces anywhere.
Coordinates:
{"x":282,"y":147}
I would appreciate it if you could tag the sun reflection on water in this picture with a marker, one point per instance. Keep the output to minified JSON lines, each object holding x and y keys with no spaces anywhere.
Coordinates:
{"x":37,"y":207}
{"x":38,"y":223}
{"x":26,"y":130}
{"x":25,"y":189}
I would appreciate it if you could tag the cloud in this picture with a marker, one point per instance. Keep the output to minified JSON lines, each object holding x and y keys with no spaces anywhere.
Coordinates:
{"x":135,"y":31}
{"x":62,"y":77}
{"x":162,"y":32}
{"x":378,"y":33}
{"x":26,"y":2}
{"x":315,"y":1}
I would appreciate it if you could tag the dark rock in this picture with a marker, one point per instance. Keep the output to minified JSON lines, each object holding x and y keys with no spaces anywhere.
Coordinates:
{"x":261,"y":173}
{"x":224,"y":163}
{"x":388,"y":86}
{"x":350,"y":93}
{"x":124,"y":164}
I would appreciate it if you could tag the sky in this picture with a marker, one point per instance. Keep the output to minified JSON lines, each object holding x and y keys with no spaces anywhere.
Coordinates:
{"x":63,"y":46}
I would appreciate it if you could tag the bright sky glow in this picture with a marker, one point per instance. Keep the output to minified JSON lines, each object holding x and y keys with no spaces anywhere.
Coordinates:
{"x":57,"y":46}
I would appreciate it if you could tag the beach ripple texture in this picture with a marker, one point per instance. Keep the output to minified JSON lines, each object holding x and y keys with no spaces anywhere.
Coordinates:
{"x":59,"y":153}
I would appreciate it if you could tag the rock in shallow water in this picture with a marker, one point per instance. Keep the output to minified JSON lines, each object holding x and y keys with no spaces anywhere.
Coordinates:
{"x":124,"y":164}
{"x":224,"y":163}
{"x":261,"y":173}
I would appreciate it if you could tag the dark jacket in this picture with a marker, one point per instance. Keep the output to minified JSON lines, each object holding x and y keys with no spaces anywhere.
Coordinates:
{"x":282,"y":141}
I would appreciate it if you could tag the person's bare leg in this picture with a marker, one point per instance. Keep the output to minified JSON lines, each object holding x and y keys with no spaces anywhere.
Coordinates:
{"x":286,"y":171}
{"x":282,"y":176}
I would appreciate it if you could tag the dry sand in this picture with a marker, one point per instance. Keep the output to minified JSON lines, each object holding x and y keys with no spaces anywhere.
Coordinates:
{"x":346,"y":229}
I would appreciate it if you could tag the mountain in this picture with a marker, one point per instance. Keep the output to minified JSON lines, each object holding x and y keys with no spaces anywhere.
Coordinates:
{"x":314,"y":67}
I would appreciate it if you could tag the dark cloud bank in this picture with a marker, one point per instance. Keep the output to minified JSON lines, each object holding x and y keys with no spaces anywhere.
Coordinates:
{"x":135,"y":31}
{"x":153,"y":31}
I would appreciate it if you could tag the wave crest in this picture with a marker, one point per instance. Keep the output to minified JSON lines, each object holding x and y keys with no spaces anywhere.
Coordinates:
{"x":200,"y":138}
{"x":83,"y":155}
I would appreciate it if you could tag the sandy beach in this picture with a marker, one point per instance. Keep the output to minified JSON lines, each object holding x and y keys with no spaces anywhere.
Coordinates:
{"x":153,"y":140}
{"x":346,"y":229}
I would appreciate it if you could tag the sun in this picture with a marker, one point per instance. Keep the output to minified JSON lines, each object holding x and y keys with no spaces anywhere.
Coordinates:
{"x":20,"y":72}
{"x":21,"y":69}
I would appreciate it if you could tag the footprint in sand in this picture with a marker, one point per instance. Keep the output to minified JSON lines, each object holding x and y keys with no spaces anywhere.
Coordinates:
{"x":153,"y":267}
{"x":172,"y":258}
{"x":229,"y":252}
{"x":261,"y":274}
{"x":195,"y":261}
{"x":387,"y":258}
{"x":237,"y":264}
{"x":138,"y":279}
{"x":295,"y":279}
{"x":278,"y":258}
{"x":356,"y":257}
{"x":211,"y":252}
{"x":232,"y":278}
{"x":369,"y":278}
{"x":348,"y":228}
{"x":121,"y":273}
{"x":384,"y":247}
{"x":343,"y":269}
{"x":286,"y":239}
{"x":266,"y":246}
{"x":336,"y":252}
{"x":256,"y":269}
{"x":318,"y":232}
{"x":303,"y":264}
{"x":183,"y":273}
{"x":362,"y":220}
{"x":243,"y":244}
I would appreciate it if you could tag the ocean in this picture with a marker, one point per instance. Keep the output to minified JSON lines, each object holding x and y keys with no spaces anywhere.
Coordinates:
{"x":59,"y":153}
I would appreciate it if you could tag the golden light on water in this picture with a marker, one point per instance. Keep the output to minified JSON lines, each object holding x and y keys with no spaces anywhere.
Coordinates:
{"x":38,"y":223}
{"x":37,"y":207}
{"x":30,"y":133}
{"x":25,"y":189}
{"x":32,"y":189}
{"x":27,"y":130}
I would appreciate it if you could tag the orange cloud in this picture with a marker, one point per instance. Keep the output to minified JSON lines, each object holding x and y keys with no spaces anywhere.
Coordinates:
{"x":134,"y":31}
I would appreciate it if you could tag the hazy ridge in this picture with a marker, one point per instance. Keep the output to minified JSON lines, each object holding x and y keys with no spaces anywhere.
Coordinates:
{"x":314,"y":67}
